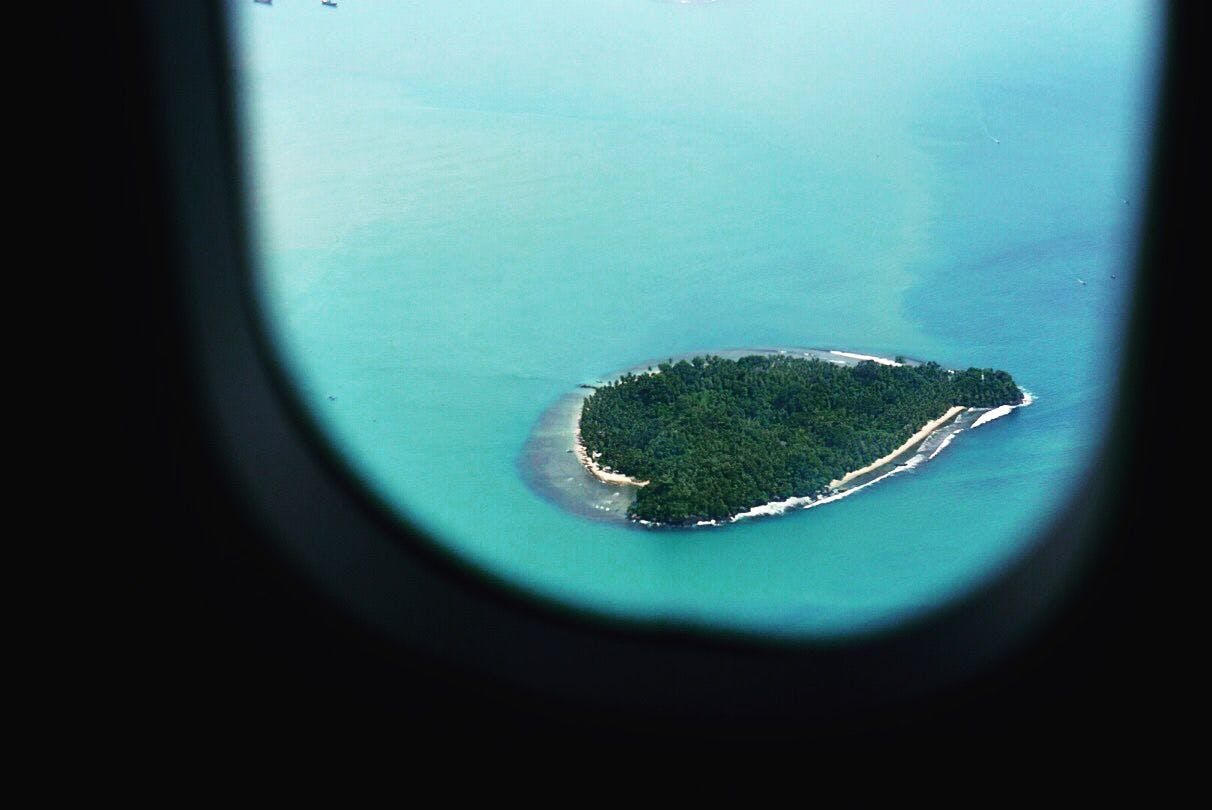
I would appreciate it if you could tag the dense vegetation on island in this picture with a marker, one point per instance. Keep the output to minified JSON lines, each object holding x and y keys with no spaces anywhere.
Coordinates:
{"x":715,"y":437}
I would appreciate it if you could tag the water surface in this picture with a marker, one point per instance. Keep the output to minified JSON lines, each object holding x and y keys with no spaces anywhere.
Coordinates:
{"x":465,"y":209}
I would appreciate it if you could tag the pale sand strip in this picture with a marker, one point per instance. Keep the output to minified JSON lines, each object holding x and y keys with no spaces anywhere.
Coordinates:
{"x":588,"y":463}
{"x":915,"y":439}
{"x":883,"y":361}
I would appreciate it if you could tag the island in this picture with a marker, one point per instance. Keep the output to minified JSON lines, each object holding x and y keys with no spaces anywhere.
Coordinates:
{"x":707,"y":439}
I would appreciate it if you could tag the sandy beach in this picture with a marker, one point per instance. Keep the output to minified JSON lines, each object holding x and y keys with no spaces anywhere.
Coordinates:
{"x":883,"y":361}
{"x":590,"y":464}
{"x":916,"y":438}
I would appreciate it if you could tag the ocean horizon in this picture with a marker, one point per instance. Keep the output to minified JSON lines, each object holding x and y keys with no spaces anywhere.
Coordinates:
{"x":463,"y":211}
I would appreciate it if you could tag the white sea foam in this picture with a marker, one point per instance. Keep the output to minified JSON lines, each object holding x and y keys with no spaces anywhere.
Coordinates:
{"x":988,"y":416}
{"x":1002,"y":410}
{"x":808,"y":502}
{"x":883,"y":361}
{"x":945,"y":442}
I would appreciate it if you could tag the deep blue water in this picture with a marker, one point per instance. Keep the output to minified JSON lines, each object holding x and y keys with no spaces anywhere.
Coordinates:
{"x":464,"y":209}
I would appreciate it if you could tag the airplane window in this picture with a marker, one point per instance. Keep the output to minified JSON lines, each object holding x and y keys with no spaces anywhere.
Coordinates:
{"x":470,"y":219}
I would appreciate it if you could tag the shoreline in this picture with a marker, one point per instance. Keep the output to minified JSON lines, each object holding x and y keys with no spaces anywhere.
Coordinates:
{"x":914,"y":440}
{"x":591,"y":466}
{"x":883,"y":361}
{"x":832,"y":493}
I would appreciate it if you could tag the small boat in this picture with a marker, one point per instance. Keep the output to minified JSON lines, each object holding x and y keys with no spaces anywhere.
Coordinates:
{"x":264,"y":2}
{"x":1079,"y":281}
{"x":332,"y":3}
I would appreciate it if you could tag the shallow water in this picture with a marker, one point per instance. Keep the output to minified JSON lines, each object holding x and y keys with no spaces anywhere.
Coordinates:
{"x":463,"y":210}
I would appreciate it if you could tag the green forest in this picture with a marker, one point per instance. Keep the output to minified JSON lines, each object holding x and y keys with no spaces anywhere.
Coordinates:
{"x":715,"y":437}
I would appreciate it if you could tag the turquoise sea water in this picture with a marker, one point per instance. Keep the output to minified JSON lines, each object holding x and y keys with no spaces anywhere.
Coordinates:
{"x":464,"y":209}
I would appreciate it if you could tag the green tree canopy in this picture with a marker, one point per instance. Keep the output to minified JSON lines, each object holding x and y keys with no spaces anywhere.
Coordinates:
{"x":715,"y":437}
